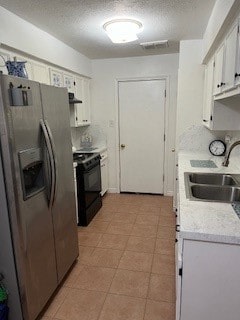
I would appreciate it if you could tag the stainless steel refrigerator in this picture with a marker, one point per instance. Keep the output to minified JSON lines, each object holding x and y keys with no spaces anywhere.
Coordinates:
{"x":38,"y":181}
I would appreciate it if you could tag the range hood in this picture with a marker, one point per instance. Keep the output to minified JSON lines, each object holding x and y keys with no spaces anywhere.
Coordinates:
{"x":72,"y":99}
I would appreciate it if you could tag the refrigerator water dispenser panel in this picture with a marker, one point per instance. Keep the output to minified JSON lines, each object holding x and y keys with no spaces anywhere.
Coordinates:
{"x":32,"y":172}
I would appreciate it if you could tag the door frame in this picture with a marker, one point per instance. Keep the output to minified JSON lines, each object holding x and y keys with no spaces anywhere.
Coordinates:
{"x":117,"y":117}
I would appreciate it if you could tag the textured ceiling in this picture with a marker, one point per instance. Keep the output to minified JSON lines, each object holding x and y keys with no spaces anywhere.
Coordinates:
{"x":78,"y":23}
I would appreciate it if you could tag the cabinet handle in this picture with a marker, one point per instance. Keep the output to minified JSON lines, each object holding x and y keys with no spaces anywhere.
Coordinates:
{"x":237,"y":75}
{"x":204,"y":120}
{"x":218,"y":85}
{"x":223,"y":84}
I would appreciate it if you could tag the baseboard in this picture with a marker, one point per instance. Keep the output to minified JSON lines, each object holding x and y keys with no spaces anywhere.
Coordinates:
{"x":112,"y":190}
{"x":115,"y":190}
{"x":169,"y":193}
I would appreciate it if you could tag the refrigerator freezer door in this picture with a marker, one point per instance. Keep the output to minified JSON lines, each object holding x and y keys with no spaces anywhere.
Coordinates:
{"x":31,"y":219}
{"x":57,"y":119}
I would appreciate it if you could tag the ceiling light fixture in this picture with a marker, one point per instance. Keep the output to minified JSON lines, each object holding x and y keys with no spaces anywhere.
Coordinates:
{"x":123,"y":30}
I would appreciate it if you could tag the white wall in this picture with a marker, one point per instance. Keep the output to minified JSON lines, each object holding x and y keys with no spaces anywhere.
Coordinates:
{"x":190,"y":86}
{"x":104,"y":104}
{"x":24,"y":36}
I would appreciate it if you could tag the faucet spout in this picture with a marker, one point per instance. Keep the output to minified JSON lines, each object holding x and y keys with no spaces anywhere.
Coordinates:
{"x":227,"y":156}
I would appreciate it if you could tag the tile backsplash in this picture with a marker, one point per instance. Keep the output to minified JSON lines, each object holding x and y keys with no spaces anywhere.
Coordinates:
{"x":95,"y":131}
{"x":197,"y":138}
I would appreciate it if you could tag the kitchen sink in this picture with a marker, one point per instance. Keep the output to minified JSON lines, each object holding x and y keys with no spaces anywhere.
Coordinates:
{"x":212,"y":187}
{"x":212,"y":178}
{"x":216,"y":193}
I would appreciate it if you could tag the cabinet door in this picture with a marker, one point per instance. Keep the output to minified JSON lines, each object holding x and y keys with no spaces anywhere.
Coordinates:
{"x":68,"y":82}
{"x":56,"y":78}
{"x":86,"y":102}
{"x":237,"y":74}
{"x":208,"y":93}
{"x":104,"y":176}
{"x":230,"y":59}
{"x":79,"y":106}
{"x":218,"y":71}
{"x":210,"y":281}
{"x":40,"y":72}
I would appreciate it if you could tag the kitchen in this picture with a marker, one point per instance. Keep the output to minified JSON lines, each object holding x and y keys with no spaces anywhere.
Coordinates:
{"x":126,"y":257}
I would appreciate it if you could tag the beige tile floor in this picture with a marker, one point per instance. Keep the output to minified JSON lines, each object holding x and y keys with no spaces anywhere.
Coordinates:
{"x":125,"y":269}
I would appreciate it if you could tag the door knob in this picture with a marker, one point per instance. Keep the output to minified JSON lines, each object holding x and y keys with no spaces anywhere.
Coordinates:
{"x":123,"y":146}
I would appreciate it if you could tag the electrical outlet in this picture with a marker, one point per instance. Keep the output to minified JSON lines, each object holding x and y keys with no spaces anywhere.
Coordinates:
{"x":228,"y":138}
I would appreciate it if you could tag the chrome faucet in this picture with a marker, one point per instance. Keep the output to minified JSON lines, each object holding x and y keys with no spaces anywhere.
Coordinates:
{"x":226,"y":158}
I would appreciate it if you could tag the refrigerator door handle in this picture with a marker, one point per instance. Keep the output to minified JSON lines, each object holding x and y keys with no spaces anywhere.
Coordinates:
{"x":51,"y":158}
{"x":54,"y":160}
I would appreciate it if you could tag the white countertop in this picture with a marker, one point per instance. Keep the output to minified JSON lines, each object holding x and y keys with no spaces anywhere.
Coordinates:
{"x":99,"y":149}
{"x":202,"y":220}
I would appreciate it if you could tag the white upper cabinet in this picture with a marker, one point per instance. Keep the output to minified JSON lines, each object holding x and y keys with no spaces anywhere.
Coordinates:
{"x":231,"y":45}
{"x":56,"y":77}
{"x":226,"y":75}
{"x":86,"y":101}
{"x":237,"y":73}
{"x":45,"y":73}
{"x":40,"y":72}
{"x":80,"y":112}
{"x":208,"y":94}
{"x":218,"y":72}
{"x":68,"y":82}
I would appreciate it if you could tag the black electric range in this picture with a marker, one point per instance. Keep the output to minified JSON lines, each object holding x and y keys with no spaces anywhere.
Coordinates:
{"x":88,"y":186}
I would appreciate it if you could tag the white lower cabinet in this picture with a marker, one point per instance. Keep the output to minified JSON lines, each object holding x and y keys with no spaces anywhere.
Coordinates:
{"x":210,"y":281}
{"x":104,"y":172}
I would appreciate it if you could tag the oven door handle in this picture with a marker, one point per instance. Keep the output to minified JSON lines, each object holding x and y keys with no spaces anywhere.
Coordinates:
{"x":89,"y":169}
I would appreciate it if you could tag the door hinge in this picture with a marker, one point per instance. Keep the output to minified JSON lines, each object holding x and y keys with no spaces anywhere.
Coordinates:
{"x":165,"y":93}
{"x":180,"y":272}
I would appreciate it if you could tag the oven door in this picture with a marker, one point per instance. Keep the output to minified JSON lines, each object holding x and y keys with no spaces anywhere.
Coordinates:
{"x":92,"y":184}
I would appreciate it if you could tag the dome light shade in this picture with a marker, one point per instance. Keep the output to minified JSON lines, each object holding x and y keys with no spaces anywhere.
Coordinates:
{"x":123,"y":30}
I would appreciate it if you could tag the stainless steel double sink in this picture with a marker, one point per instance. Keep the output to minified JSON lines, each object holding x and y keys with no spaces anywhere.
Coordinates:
{"x":212,"y":187}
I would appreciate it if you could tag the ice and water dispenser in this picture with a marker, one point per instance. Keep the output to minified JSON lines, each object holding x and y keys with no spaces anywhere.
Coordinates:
{"x":32,"y":172}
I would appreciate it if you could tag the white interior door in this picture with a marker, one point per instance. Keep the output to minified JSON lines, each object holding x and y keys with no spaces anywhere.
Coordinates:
{"x":141,"y":120}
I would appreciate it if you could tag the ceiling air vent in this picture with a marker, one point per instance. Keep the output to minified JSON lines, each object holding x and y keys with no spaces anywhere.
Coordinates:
{"x":154,"y":45}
